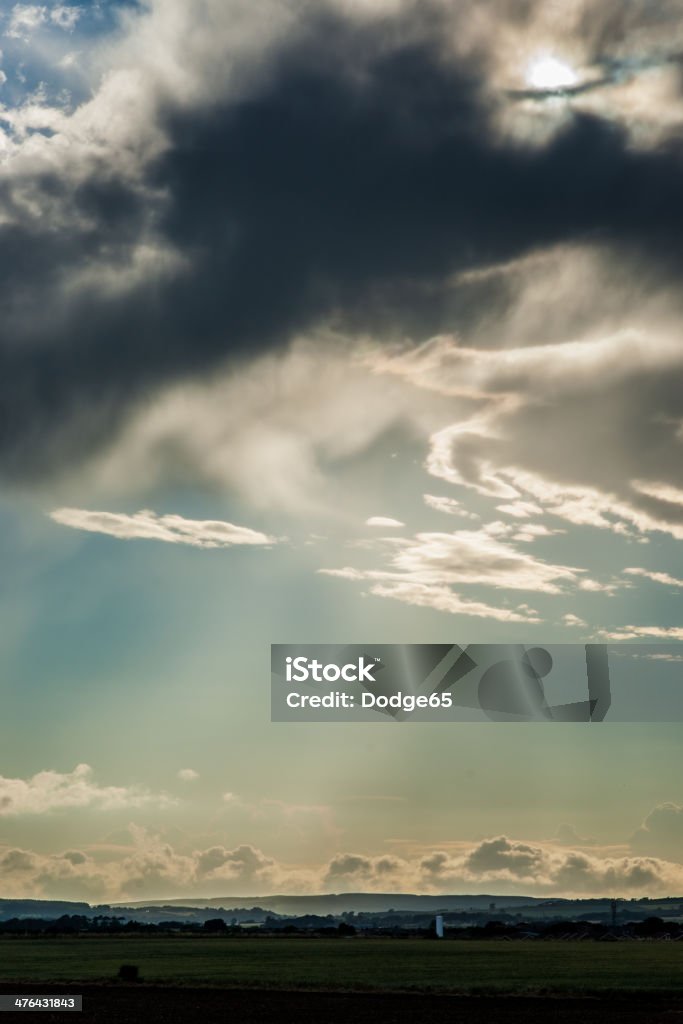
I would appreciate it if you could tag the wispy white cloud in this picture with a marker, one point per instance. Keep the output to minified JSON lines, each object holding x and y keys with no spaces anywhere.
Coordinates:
{"x":444,"y":365}
{"x":443,"y":599}
{"x":573,"y":620}
{"x":643,"y":632}
{"x":589,"y":506}
{"x":662,"y":492}
{"x":24,"y":19}
{"x":656,"y":577}
{"x":449,"y":506}
{"x":384,"y":521}
{"x":65,"y":17}
{"x":529,"y":532}
{"x":561,"y":428}
{"x":265,"y":432}
{"x":173,"y":529}
{"x":520,"y":509}
{"x":478,"y":556}
{"x":422,"y":570}
{"x":188,"y":775}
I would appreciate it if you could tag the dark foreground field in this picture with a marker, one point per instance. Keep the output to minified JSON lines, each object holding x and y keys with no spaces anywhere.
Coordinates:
{"x":149,"y":1005}
{"x":358,"y":980}
{"x":356,"y":964}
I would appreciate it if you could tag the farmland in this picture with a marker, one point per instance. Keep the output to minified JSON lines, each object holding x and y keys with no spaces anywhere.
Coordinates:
{"x":358,"y":964}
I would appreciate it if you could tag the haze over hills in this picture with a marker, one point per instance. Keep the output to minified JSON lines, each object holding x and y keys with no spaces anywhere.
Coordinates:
{"x":258,"y":908}
{"x":358,"y":902}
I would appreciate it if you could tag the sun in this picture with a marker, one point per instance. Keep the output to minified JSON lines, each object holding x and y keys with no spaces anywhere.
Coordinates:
{"x":550,"y":73}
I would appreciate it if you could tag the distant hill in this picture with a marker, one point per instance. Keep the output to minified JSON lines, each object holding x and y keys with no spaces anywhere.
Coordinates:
{"x":44,"y":908}
{"x":257,"y":908}
{"x":359,"y":902}
{"x":338,"y":903}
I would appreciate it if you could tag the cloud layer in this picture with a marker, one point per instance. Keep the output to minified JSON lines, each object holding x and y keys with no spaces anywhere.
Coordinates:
{"x":151,"y":868}
{"x":153,"y":262}
{"x":471,"y":270}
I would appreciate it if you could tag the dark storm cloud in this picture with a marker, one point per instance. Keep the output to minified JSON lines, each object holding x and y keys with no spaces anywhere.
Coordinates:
{"x":348,"y":187}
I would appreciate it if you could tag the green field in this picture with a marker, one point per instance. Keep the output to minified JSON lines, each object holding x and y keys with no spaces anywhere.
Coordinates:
{"x":352,"y":964}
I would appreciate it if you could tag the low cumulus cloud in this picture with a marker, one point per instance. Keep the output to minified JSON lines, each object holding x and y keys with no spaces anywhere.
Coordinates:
{"x":568,"y":836}
{"x":244,"y":863}
{"x":517,"y":866}
{"x":363,"y":872}
{"x":49,"y":791}
{"x":661,"y":833}
{"x":150,"y":867}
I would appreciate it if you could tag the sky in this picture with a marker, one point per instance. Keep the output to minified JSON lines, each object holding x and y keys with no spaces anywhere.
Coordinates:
{"x":347,"y":321}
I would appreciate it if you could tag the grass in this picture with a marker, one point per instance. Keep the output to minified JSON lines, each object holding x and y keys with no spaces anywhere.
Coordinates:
{"x":352,"y":964}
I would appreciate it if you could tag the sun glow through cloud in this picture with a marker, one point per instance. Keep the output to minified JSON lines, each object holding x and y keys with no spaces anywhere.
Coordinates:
{"x":550,"y":73}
